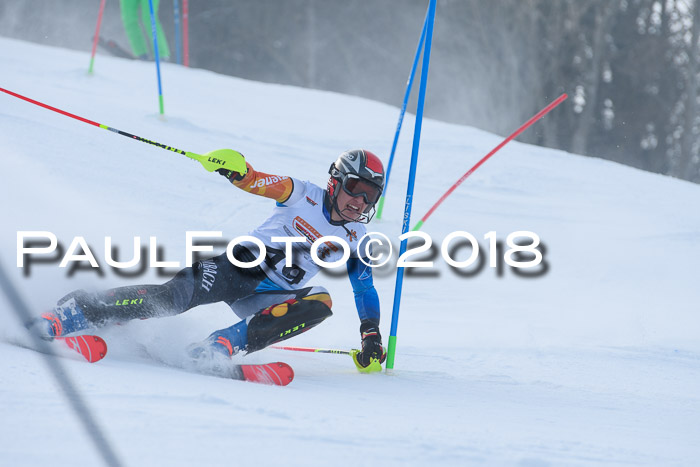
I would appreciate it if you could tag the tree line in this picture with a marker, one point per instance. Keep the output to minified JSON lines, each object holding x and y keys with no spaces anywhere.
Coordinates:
{"x":630,"y":67}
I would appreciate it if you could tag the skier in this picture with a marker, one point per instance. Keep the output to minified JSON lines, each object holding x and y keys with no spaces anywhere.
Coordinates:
{"x":135,"y":33}
{"x":270,"y":298}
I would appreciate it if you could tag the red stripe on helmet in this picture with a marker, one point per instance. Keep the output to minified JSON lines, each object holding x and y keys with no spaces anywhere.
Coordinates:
{"x":374,"y":163}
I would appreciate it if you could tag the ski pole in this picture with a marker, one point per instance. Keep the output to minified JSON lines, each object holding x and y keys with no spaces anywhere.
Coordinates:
{"x":309,"y":349}
{"x":97,"y":35}
{"x":214,"y":160}
{"x":524,"y":126}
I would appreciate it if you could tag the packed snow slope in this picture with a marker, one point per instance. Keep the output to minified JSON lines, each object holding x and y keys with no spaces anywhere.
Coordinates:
{"x":594,"y":361}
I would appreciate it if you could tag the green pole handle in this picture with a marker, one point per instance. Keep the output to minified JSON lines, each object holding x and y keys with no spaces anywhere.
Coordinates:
{"x":220,"y":159}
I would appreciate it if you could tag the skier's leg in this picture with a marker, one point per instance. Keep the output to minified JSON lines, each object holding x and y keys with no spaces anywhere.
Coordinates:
{"x":81,"y":310}
{"x":287,"y":319}
{"x":208,"y":281}
{"x":281,"y":314}
{"x":250,"y":305}
{"x":130,"y":18}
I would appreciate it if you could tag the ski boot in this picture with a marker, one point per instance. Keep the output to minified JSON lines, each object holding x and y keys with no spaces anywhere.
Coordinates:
{"x":226,"y":342}
{"x":66,"y":318}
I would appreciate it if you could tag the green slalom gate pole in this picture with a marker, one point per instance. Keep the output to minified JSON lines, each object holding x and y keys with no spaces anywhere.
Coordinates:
{"x":391,"y":351}
{"x":220,"y":159}
{"x":97,"y":35}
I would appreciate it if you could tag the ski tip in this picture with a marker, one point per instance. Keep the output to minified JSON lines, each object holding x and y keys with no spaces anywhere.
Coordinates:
{"x":286,"y":372}
{"x":100,"y":346}
{"x":277,"y":373}
{"x":92,"y":348}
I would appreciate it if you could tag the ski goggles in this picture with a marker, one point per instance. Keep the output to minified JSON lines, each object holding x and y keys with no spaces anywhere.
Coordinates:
{"x":355,"y":186}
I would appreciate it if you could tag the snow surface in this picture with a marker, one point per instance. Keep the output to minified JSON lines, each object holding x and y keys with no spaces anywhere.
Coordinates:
{"x":596,"y":361}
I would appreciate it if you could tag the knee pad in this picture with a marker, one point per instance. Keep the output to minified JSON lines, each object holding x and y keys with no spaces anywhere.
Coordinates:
{"x":284,"y":320}
{"x":320,"y":294}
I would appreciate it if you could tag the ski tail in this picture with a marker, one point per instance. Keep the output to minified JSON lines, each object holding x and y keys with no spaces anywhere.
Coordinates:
{"x":277,"y":373}
{"x":92,"y":348}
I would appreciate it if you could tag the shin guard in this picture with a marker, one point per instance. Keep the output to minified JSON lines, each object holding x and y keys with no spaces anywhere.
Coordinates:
{"x":284,"y":320}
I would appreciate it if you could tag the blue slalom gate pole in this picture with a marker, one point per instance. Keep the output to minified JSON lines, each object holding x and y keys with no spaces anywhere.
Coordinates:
{"x":430,"y":20}
{"x":155,"y":48}
{"x":176,"y":14}
{"x":409,"y":85}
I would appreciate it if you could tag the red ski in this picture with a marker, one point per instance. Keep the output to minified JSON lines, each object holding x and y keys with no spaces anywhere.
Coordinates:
{"x":92,"y":348}
{"x":277,"y":373}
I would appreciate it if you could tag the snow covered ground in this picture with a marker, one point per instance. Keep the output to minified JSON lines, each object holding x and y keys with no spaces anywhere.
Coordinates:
{"x":595,"y":361}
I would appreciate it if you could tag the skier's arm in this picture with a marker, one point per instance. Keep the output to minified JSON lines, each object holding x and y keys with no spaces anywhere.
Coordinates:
{"x":276,"y":187}
{"x":366,"y":298}
{"x":372,"y":356}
